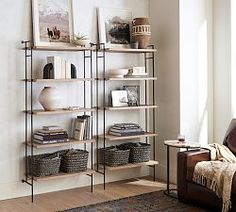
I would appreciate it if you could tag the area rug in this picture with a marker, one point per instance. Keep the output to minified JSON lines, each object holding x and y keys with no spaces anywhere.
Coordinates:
{"x":151,"y":202}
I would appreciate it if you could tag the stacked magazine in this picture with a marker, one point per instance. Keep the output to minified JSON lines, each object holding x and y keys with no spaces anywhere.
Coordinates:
{"x":82,"y":128}
{"x":126,"y":129}
{"x":50,"y":134}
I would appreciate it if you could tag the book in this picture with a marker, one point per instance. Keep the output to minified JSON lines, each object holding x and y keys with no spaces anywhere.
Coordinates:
{"x":50,"y":137}
{"x":79,"y":129}
{"x":50,"y":141}
{"x":45,"y":132}
{"x":125,"y":130}
{"x":126,"y":134}
{"x":63,"y":68}
{"x":52,"y":127}
{"x":56,"y":62}
{"x":68,"y":70}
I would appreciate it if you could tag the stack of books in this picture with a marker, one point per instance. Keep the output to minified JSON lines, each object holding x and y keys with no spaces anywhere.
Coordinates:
{"x":51,"y":134}
{"x":82,"y":129}
{"x":126,"y":129}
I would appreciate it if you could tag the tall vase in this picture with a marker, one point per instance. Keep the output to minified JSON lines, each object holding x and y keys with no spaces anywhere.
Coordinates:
{"x":49,"y":98}
{"x":141,"y":32}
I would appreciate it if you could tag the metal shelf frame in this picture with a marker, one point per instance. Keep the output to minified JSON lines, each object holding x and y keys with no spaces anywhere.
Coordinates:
{"x":29,"y":82}
{"x":149,"y":63}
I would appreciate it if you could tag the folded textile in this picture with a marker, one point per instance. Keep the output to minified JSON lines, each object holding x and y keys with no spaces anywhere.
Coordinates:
{"x":217,"y":174}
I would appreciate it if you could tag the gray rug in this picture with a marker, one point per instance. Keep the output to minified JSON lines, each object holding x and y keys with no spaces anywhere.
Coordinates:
{"x":151,"y":202}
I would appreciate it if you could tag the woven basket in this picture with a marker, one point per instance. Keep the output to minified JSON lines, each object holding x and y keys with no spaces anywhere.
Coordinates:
{"x":74,"y":161}
{"x":139,"y":152}
{"x":44,"y":164}
{"x":114,"y":156}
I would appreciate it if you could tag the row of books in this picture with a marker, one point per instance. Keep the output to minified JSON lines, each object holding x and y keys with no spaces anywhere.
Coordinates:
{"x":61,"y":67}
{"x":126,"y":129}
{"x":50,"y":134}
{"x":82,"y":128}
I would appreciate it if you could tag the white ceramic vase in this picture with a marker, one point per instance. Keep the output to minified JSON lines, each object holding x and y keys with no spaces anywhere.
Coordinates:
{"x":49,"y":98}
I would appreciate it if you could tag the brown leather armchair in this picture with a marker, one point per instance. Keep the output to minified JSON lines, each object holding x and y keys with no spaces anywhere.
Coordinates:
{"x":188,"y":191}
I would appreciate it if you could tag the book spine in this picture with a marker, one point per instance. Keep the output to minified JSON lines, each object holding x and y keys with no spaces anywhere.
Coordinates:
{"x":68,"y":70}
{"x":52,"y":128}
{"x":126,"y":134}
{"x":53,"y":133}
{"x":51,"y":141}
{"x":63,"y":68}
{"x":51,"y":137}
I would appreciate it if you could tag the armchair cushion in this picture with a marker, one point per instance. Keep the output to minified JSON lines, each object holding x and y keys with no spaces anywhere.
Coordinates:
{"x":230,"y":137}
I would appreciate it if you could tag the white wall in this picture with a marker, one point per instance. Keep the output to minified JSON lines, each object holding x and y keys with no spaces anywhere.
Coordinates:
{"x":222,"y":68}
{"x":165,"y":35}
{"x":196,"y":90}
{"x":15,"y":22}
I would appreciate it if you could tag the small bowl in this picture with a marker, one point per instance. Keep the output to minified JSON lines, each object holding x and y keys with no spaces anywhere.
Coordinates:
{"x":118,"y":72}
{"x":84,"y":42}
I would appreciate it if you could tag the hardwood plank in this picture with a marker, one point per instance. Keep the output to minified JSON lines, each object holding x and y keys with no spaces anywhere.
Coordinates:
{"x":117,"y":138}
{"x":60,"y":111}
{"x":132,"y":107}
{"x":61,"y":200}
{"x":129,"y":78}
{"x":124,"y":50}
{"x":58,"y":48}
{"x":70,"y":142}
{"x":132,"y":165}
{"x":63,"y":175}
{"x":59,"y":80}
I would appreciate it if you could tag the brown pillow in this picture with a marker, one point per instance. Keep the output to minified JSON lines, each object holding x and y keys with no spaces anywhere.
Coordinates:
{"x":230,"y":136}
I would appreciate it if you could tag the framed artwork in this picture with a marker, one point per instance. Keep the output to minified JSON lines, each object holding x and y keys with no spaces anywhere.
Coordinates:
{"x":52,"y":22}
{"x":114,"y":27}
{"x":119,"y":98}
{"x":133,"y":94}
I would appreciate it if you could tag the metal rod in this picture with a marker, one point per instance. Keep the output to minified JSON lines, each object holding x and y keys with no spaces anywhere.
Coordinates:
{"x":97,"y":104}
{"x":26,"y":115}
{"x":85,"y":146}
{"x":168,"y":171}
{"x":145,"y":88}
{"x":154,"y":114}
{"x":91,"y":182}
{"x":32,"y":127}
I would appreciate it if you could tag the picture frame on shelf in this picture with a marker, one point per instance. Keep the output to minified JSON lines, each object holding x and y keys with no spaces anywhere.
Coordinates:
{"x":133,"y":94}
{"x":119,"y":98}
{"x":114,"y":27}
{"x":52,"y":23}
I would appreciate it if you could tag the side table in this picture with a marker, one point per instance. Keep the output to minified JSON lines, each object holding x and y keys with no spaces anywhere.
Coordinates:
{"x":175,"y":144}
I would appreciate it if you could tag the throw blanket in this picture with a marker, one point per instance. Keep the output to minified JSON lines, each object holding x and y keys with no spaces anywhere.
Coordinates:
{"x":218,"y":173}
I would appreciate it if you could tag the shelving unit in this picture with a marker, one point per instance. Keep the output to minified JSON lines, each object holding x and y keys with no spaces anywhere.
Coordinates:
{"x":30,"y":112}
{"x":149,"y":60}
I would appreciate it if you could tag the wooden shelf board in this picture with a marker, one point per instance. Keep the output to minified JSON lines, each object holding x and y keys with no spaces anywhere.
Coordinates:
{"x":70,"y":142}
{"x":60,"y":111}
{"x":60,"y":80}
{"x":117,"y":138}
{"x":63,"y":175}
{"x":132,"y":107}
{"x":128,"y":78}
{"x":67,"y":48}
{"x":132,"y":165}
{"x":124,"y":50}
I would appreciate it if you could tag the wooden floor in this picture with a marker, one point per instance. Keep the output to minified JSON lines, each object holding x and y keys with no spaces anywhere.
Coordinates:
{"x":61,"y":200}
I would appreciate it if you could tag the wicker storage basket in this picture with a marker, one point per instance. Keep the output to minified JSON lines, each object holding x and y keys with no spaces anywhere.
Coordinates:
{"x":74,"y":161}
{"x":139,"y":152}
{"x":44,"y":164}
{"x":114,"y":156}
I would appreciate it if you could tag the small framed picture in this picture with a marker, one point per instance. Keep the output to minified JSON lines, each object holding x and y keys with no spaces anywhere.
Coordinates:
{"x":133,"y":94}
{"x":114,"y":27}
{"x":52,"y":22}
{"x":119,"y":98}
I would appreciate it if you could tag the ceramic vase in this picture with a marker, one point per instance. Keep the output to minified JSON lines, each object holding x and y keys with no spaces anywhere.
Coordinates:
{"x":141,"y":32}
{"x":49,"y":98}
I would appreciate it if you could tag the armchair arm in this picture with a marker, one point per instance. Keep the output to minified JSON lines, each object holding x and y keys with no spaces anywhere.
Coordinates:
{"x":187,"y":161}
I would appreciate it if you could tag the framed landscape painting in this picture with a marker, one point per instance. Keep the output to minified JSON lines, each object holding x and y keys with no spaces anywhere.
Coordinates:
{"x":114,"y":27}
{"x":52,"y":22}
